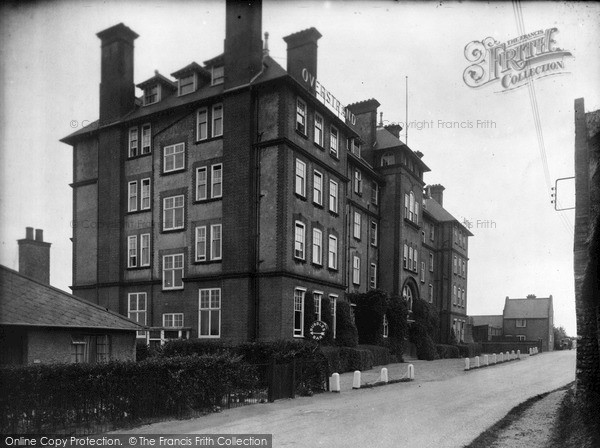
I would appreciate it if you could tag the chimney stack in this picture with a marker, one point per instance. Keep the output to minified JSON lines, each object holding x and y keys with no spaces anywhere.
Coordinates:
{"x":394,"y":129}
{"x":437,"y":193}
{"x":243,"y":44}
{"x":301,"y":55}
{"x":34,"y":256}
{"x":117,"y":91}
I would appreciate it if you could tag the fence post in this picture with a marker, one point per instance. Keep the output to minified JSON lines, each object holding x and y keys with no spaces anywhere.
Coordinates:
{"x":518,"y":354}
{"x":356,"y":381}
{"x":486,"y":360}
{"x":411,"y":372}
{"x":334,"y":382}
{"x":507,"y":355}
{"x":384,"y":375}
{"x":467,"y":363}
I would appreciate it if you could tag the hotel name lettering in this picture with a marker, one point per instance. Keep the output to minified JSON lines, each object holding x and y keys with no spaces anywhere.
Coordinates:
{"x":514,"y":62}
{"x":325,"y":97}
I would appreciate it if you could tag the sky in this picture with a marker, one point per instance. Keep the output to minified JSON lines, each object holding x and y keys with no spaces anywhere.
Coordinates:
{"x":480,"y":143}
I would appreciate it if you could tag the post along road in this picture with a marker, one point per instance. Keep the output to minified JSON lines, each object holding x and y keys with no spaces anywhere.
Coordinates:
{"x":445,"y":413}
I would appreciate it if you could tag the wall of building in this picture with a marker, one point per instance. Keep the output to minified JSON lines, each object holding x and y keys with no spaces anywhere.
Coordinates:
{"x":535,"y":329}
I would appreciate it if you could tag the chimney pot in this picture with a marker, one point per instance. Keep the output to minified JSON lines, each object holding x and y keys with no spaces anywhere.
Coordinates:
{"x":34,"y":256}
{"x":302,"y":54}
{"x":437,"y":193}
{"x":39,"y":235}
{"x":29,"y":233}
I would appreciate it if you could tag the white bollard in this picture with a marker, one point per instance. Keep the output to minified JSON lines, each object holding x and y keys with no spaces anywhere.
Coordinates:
{"x":411,"y":372}
{"x":501,"y":357}
{"x":334,"y":382}
{"x":356,"y":381}
{"x":518,"y":354}
{"x":494,"y":358}
{"x":467,"y":363}
{"x":486,"y":360}
{"x":508,"y":356}
{"x":384,"y":375}
{"x":476,"y":364}
{"x":512,"y":355}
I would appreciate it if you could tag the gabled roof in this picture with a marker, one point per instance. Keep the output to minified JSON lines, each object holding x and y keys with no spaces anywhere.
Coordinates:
{"x":387,"y":140}
{"x":191,"y":68}
{"x":27,"y":302}
{"x":538,"y":308}
{"x":216,"y":61}
{"x":491,"y":320}
{"x":440,"y":214}
{"x":157,"y":79}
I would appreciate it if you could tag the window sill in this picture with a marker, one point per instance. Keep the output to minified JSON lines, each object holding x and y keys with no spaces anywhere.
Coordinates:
{"x":139,"y":156}
{"x":138,"y":268}
{"x":412,"y":223}
{"x":177,"y":171}
{"x":203,"y":262}
{"x":319,"y":146}
{"x":182,"y":229}
{"x":172,"y":289}
{"x":302,"y":134}
{"x":137,"y":212}
{"x":207,"y":200}
{"x":206,"y":140}
{"x":299,"y":260}
{"x":333,"y":270}
{"x":334,"y":155}
{"x":335,"y":214}
{"x":317,"y":205}
{"x":299,"y":196}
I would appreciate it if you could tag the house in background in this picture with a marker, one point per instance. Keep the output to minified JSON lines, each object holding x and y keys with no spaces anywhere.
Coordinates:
{"x":42,"y":324}
{"x":530,"y":319}
{"x":485,"y":328}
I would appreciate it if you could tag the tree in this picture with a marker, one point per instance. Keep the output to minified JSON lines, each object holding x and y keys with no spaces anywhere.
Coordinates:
{"x":559,"y":334}
{"x":347,"y":335}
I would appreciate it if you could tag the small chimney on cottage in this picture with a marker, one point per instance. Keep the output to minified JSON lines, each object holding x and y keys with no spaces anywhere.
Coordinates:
{"x":34,"y":256}
{"x":437,"y":193}
{"x":117,"y":91}
{"x":394,"y":129}
{"x":243,"y":44}
{"x":302,"y":56}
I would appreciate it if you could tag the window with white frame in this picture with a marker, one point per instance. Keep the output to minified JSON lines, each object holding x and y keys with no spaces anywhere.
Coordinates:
{"x":430,"y":262}
{"x":521,"y":323}
{"x":422,"y":273}
{"x":133,"y":196}
{"x":218,"y":75}
{"x":317,"y":188}
{"x":332,"y":257}
{"x":411,"y":207}
{"x":215,"y":242}
{"x":357,"y":225}
{"x":333,"y":196}
{"x":374,"y":193}
{"x":464,"y":269}
{"x":410,"y":256}
{"x":373,"y":233}
{"x":299,"y":294}
{"x":318,"y":297}
{"x":432,"y":232}
{"x":216,"y":181}
{"x":333,"y":141}
{"x":174,"y":157}
{"x":300,"y":186}
{"x":200,"y":243}
{"x":415,"y":266}
{"x":299,"y":239}
{"x":357,"y":182}
{"x":217,"y":120}
{"x":187,"y":84}
{"x":454,"y":293}
{"x":132,"y":251}
{"x":145,"y":249}
{"x":201,"y":183}
{"x":136,"y":309}
{"x":202,"y":124}
{"x":356,"y":270}
{"x":301,"y":116}
{"x":373,"y":276}
{"x":172,"y":320}
{"x":172,"y":271}
{"x":145,"y":205}
{"x":405,"y":258}
{"x":333,"y":307}
{"x":386,"y":326}
{"x":317,"y":246}
{"x":133,"y":142}
{"x":151,"y":95}
{"x":146,"y":139}
{"x":318,"y":129}
{"x":430,"y":293}
{"x":173,"y":212}
{"x":356,"y":147}
{"x":209,"y":318}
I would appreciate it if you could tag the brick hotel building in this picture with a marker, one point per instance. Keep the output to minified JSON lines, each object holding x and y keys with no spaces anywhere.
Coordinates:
{"x":230,"y":193}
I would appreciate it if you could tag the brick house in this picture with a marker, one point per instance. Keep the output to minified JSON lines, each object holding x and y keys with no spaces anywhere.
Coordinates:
{"x":220,"y":200}
{"x":42,"y":324}
{"x":530,"y":319}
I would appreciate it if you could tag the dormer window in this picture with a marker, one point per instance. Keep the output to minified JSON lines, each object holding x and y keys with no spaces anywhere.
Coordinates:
{"x":152,"y":94}
{"x":387,"y":159}
{"x":218,"y":75}
{"x":187,"y":84}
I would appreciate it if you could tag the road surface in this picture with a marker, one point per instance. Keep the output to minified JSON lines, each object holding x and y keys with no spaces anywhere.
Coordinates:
{"x":446,"y":413}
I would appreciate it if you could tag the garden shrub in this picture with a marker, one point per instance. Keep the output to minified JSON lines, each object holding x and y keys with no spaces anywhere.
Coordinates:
{"x":381,"y":355}
{"x":347,"y":359}
{"x":309,"y":313}
{"x":423,"y":329}
{"x":398,"y":326}
{"x":469,"y":350}
{"x":327,"y":317}
{"x":346,"y":335}
{"x":280,"y":351}
{"x":370,"y":309}
{"x":446,"y":351}
{"x":189,"y":347}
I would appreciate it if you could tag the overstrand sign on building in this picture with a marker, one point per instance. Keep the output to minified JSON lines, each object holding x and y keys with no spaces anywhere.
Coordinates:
{"x":327,"y":98}
{"x":514,"y":62}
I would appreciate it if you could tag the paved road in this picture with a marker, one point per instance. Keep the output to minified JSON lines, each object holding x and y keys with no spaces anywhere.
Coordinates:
{"x":446,"y":413}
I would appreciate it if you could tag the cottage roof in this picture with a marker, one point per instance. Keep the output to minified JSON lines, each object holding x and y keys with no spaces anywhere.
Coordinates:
{"x":440,"y":214}
{"x":538,"y":308}
{"x":491,"y":320}
{"x":27,"y":302}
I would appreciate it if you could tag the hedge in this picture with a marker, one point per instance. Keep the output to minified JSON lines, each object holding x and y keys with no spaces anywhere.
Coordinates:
{"x":347,"y":359}
{"x":43,"y":398}
{"x":381,"y":355}
{"x":369,"y":311}
{"x":346,"y":333}
{"x":446,"y":351}
{"x":470,"y":350}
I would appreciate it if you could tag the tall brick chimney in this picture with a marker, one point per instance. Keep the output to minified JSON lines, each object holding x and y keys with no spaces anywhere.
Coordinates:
{"x":34,"y":256}
{"x":117,"y":91}
{"x":302,"y":54}
{"x":437,"y":193}
{"x":243,"y":43}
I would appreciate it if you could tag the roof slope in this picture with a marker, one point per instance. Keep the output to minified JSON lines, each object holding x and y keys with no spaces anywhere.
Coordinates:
{"x":538,"y":308}
{"x":492,"y":320}
{"x":24,"y":301}
{"x":440,"y":214}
